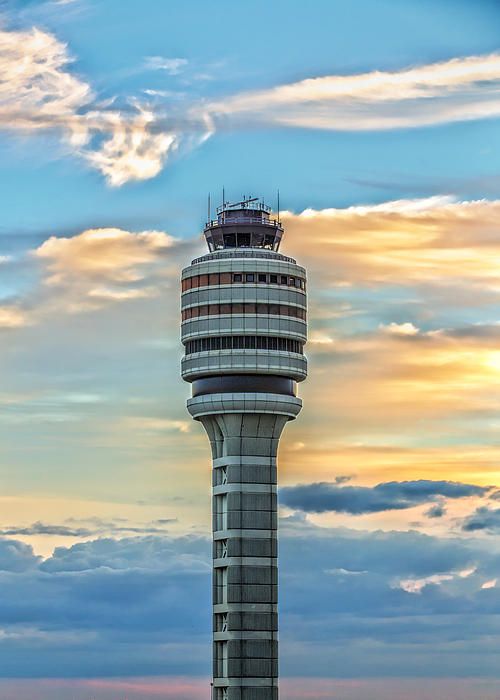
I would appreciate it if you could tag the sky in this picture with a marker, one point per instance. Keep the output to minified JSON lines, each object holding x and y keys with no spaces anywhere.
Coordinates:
{"x":379,"y":124}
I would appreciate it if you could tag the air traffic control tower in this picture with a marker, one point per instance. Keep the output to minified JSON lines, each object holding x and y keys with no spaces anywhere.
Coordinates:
{"x":244,"y":329}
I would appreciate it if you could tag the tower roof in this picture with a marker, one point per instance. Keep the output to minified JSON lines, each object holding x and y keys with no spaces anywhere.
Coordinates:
{"x":244,"y":224}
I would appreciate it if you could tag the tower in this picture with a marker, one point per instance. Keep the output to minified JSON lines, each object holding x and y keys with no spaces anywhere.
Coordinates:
{"x":244,"y":329}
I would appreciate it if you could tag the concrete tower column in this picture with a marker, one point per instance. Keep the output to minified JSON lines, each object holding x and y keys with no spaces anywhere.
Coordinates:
{"x":244,"y":327}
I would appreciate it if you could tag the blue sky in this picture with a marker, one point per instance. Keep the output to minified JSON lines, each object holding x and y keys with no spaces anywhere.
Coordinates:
{"x":378,"y":122}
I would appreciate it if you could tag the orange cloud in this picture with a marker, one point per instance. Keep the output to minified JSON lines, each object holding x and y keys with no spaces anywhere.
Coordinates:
{"x":436,"y":241}
{"x":101,"y":266}
{"x":12,"y":317}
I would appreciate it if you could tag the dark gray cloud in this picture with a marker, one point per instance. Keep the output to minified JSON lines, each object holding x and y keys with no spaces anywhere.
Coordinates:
{"x":437,"y":511}
{"x":483,"y":518}
{"x":94,"y":526}
{"x":394,"y":495}
{"x":40,"y":528}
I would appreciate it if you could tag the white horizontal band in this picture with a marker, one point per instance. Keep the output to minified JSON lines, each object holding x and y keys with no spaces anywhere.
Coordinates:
{"x":243,"y":488}
{"x":268,"y":533}
{"x":245,"y":561}
{"x":244,"y":461}
{"x":245,"y":607}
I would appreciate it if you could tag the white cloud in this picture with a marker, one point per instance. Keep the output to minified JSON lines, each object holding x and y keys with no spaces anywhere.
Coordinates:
{"x":157,"y":424}
{"x":318,"y":338}
{"x":489,"y":584}
{"x":454,"y":90}
{"x":172,"y":66}
{"x":400,"y":328}
{"x":39,"y":92}
{"x":36,"y":90}
{"x":417,"y":585}
{"x":134,"y":149}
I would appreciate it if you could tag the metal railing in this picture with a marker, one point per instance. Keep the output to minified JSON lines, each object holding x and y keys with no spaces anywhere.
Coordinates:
{"x":243,"y":253}
{"x":274,"y":223}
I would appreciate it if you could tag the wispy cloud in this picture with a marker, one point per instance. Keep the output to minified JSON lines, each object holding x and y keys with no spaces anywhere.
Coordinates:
{"x":172,"y":66}
{"x":40,"y":91}
{"x":455,"y":90}
{"x":85,"y":528}
{"x":37,"y":90}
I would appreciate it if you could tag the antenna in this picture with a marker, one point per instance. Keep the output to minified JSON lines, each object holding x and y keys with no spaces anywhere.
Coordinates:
{"x":223,"y":196}
{"x":209,"y":209}
{"x":278,"y":206}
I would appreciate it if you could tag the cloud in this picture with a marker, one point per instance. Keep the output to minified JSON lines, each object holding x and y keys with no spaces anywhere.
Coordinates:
{"x":93,"y":527}
{"x":107,"y":253}
{"x":437,"y":240}
{"x":400,"y":328}
{"x":172,"y":66}
{"x":12,"y":317}
{"x":489,"y":584}
{"x":417,"y":585}
{"x":63,"y":616}
{"x":456,"y":90}
{"x":95,"y":269}
{"x":102,"y":266}
{"x":437,"y":511}
{"x":17,"y":557}
{"x":484,"y":518}
{"x":39,"y":93}
{"x":357,"y":500}
{"x":39,"y":528}
{"x":135,"y":148}
{"x":149,"y":424}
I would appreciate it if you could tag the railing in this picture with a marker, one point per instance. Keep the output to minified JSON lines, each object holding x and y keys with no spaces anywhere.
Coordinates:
{"x":227,"y":221}
{"x":244,"y":204}
{"x":243,"y":253}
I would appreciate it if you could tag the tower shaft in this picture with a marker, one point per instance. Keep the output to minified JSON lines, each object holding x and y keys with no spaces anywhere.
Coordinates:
{"x":244,"y":327}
